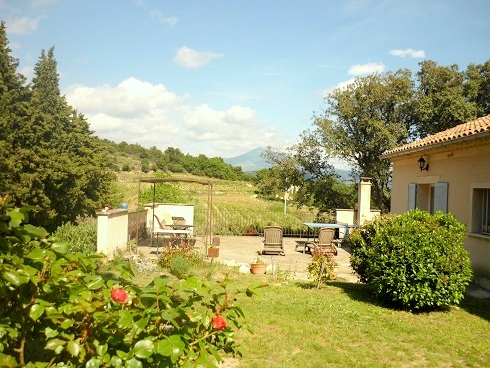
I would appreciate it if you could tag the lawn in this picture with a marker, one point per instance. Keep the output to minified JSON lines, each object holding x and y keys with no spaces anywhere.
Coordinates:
{"x":341,"y":325}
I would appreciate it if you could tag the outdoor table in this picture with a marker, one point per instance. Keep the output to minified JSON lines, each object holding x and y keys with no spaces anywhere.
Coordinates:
{"x":317,"y":225}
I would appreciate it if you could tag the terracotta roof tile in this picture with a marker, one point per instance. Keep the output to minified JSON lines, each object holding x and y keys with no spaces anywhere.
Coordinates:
{"x":470,"y":128}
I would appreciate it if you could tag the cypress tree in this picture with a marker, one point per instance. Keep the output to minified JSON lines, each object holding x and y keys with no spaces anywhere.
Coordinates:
{"x":75,"y":178}
{"x":48,"y":155}
{"x":15,"y":160}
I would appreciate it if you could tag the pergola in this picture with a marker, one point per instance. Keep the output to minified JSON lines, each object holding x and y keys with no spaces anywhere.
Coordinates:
{"x":208,"y":234}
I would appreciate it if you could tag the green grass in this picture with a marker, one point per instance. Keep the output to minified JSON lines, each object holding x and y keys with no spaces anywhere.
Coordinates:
{"x":341,"y":325}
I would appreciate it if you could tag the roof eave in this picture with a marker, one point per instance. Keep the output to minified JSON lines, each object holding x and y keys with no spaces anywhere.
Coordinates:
{"x":454,"y":141}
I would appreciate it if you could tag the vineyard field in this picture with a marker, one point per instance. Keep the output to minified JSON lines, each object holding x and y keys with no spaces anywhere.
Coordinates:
{"x":237,"y":210}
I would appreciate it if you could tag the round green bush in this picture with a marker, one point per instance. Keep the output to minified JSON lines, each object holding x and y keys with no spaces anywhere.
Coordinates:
{"x":415,"y":261}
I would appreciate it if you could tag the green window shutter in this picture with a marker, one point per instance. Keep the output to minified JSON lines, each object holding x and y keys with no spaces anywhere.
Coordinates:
{"x":440,"y":197}
{"x":412,"y":196}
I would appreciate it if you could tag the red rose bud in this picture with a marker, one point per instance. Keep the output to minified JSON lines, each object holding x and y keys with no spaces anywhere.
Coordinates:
{"x":119,"y":295}
{"x":218,"y":323}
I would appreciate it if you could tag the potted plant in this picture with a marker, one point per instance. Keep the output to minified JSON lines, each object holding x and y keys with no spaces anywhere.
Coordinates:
{"x":258,"y":265}
{"x":213,"y":249}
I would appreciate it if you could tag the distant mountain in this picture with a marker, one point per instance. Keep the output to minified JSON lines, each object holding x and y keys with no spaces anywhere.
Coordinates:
{"x":252,"y":161}
{"x":344,"y":175}
{"x":249,"y":161}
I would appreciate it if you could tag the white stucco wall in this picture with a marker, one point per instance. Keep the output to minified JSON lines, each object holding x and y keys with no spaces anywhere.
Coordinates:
{"x":112,"y":231}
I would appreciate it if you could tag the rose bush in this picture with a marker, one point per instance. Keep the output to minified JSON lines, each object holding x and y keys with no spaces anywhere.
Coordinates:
{"x":219,"y":323}
{"x":322,"y":267}
{"x":56,"y":309}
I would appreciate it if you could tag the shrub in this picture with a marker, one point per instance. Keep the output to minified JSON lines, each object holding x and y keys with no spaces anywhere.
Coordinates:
{"x":415,"y":260}
{"x":56,"y":310}
{"x":182,"y":251}
{"x":179,"y":265}
{"x":321,"y":267}
{"x":81,"y":238}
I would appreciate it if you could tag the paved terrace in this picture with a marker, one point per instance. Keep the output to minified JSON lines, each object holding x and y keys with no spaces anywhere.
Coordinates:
{"x":238,"y":250}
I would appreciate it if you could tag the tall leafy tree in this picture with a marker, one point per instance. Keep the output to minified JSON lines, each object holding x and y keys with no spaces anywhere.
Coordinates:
{"x":284,"y":173}
{"x":305,"y":169}
{"x":441,"y":102}
{"x":320,"y":187}
{"x":14,"y":117}
{"x":477,"y":87}
{"x":360,"y":122}
{"x":75,"y":179}
{"x":49,"y":157}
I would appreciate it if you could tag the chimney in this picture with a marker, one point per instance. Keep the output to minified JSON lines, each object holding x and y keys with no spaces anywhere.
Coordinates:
{"x":364,"y":198}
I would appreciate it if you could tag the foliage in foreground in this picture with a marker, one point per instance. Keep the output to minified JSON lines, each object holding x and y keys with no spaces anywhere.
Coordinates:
{"x":415,"y":260}
{"x":55,"y":309}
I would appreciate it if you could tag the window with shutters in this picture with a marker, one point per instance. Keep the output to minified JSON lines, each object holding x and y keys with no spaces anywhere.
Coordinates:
{"x":428,"y":197}
{"x":481,"y":211}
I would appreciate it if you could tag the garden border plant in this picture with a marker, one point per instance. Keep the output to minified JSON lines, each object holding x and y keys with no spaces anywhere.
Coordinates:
{"x":81,"y":237}
{"x":415,"y":260}
{"x":55,"y":308}
{"x":322,"y":266}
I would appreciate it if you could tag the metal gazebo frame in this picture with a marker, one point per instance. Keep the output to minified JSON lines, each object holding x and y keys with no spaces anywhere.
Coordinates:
{"x":208,"y":234}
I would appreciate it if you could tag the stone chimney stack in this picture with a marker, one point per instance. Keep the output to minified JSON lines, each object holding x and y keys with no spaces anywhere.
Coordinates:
{"x":364,"y":198}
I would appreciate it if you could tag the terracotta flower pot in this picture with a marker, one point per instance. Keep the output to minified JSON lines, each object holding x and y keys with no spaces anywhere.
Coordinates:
{"x":213,"y":252}
{"x":258,"y":268}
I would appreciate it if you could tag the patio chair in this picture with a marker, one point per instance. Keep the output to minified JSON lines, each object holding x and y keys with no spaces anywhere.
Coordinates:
{"x":273,"y":241}
{"x":325,"y":241}
{"x":161,"y":224}
{"x":155,"y":233}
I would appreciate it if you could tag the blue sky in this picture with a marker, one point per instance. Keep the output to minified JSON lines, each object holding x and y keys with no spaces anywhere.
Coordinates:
{"x":223,"y":77}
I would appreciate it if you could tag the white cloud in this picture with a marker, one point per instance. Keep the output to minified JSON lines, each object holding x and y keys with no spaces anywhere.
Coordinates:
{"x":345,"y":83}
{"x":416,"y":54}
{"x":135,"y":111}
{"x":189,"y":58}
{"x":239,"y":114}
{"x":28,"y":72}
{"x":24,"y":25}
{"x":14,"y":45}
{"x":157,"y":14}
{"x":131,"y":97}
{"x":364,"y":69}
{"x":340,"y":85}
